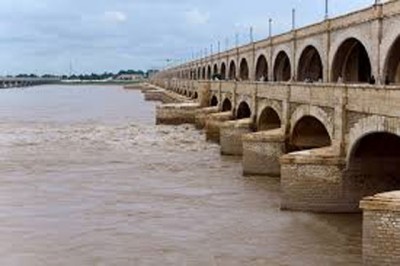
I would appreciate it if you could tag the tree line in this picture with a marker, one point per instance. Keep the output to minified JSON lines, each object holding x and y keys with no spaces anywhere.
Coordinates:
{"x":92,"y":76}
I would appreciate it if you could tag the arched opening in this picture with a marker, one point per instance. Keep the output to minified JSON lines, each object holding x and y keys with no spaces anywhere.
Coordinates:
{"x":244,"y":70}
{"x":226,"y":105}
{"x":243,"y":111}
{"x":204,"y":73}
{"x":282,"y":68}
{"x":214,"y":101}
{"x":195,"y":96}
{"x":199,"y":73}
{"x":392,"y":73}
{"x":309,"y":133}
{"x":223,"y":71}
{"x":351,"y":63}
{"x":373,"y":166}
{"x":209,"y":72}
{"x":215,"y":70}
{"x":269,"y":119}
{"x":261,"y":69}
{"x":310,"y":65}
{"x":232,"y":71}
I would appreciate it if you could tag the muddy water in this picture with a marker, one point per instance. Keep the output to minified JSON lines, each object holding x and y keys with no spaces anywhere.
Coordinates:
{"x":87,"y":179}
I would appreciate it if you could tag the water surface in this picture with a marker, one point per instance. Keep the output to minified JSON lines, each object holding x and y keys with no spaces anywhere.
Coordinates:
{"x":88,"y":179}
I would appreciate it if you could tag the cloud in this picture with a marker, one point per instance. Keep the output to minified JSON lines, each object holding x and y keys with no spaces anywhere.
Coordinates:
{"x":196,"y":17}
{"x":102,"y":35}
{"x":115,"y":16}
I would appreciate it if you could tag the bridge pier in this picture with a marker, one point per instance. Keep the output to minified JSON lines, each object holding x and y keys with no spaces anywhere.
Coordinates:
{"x":262,"y":151}
{"x":201,"y":116}
{"x":313,"y":181}
{"x":213,"y":124}
{"x":231,"y":133}
{"x":176,"y":114}
{"x":381,"y":229}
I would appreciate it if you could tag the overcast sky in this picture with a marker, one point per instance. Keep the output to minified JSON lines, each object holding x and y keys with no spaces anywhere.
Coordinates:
{"x":46,"y":36}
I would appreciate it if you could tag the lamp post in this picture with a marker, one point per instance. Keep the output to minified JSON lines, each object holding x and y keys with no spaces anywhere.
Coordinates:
{"x":326,"y":9}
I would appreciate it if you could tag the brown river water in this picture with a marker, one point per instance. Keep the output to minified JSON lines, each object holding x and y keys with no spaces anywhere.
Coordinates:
{"x":88,"y":179}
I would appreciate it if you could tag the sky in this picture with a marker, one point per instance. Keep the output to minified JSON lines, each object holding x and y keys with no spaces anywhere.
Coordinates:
{"x":57,"y":36}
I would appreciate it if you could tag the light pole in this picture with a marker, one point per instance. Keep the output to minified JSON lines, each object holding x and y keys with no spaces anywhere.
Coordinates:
{"x":326,"y":9}
{"x":293,"y":19}
{"x":270,"y":27}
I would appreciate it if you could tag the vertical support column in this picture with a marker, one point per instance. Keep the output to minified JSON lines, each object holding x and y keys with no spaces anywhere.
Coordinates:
{"x":204,"y":93}
{"x":294,"y":59}
{"x":271,"y":61}
{"x":252,"y":66}
{"x":327,"y":68}
{"x":340,"y":119}
{"x":234,"y":99}
{"x":378,"y":28}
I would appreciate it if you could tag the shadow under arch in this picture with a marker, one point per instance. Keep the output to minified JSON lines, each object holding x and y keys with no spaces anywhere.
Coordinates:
{"x":269,"y":119}
{"x":223,"y":71}
{"x":351,"y":63}
{"x":244,"y":69}
{"x":243,"y":111}
{"x":226,"y":105}
{"x":373,"y":166}
{"x":232,"y":71}
{"x":282,"y":68}
{"x":310,"y":65}
{"x":261,"y":69}
{"x":214,"y":101}
{"x":392,"y":64}
{"x":309,"y":133}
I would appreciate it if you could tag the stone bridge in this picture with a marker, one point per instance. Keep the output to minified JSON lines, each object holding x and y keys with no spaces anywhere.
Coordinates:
{"x":319,"y":106}
{"x":25,"y":82}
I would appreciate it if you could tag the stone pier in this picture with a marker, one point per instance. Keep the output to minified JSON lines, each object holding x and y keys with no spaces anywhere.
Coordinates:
{"x":381,"y":229}
{"x":176,"y":114}
{"x":313,"y":181}
{"x":213,"y":124}
{"x":261,"y":152}
{"x":231,"y":133}
{"x":201,"y":116}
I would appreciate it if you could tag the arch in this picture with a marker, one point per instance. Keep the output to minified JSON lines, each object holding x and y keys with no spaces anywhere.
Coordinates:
{"x":282,"y":68}
{"x":223,"y":71}
{"x":204,"y":73}
{"x":309,"y":133}
{"x":244,"y":69}
{"x":392,"y":63}
{"x":199,"y":73}
{"x":373,"y":165}
{"x":232,"y":71}
{"x":261,"y":69}
{"x":214,"y":101}
{"x":209,"y":72}
{"x":269,"y":119}
{"x":310,"y":65}
{"x":351,"y":63}
{"x":215,"y":70}
{"x":195,"y":96}
{"x":226,"y":105}
{"x":243,"y":111}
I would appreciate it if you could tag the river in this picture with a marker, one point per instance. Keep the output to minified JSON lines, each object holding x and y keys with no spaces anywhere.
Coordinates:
{"x":88,"y":179}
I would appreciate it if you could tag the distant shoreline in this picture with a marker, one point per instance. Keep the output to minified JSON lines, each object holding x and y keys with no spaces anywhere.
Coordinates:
{"x":111,"y":82}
